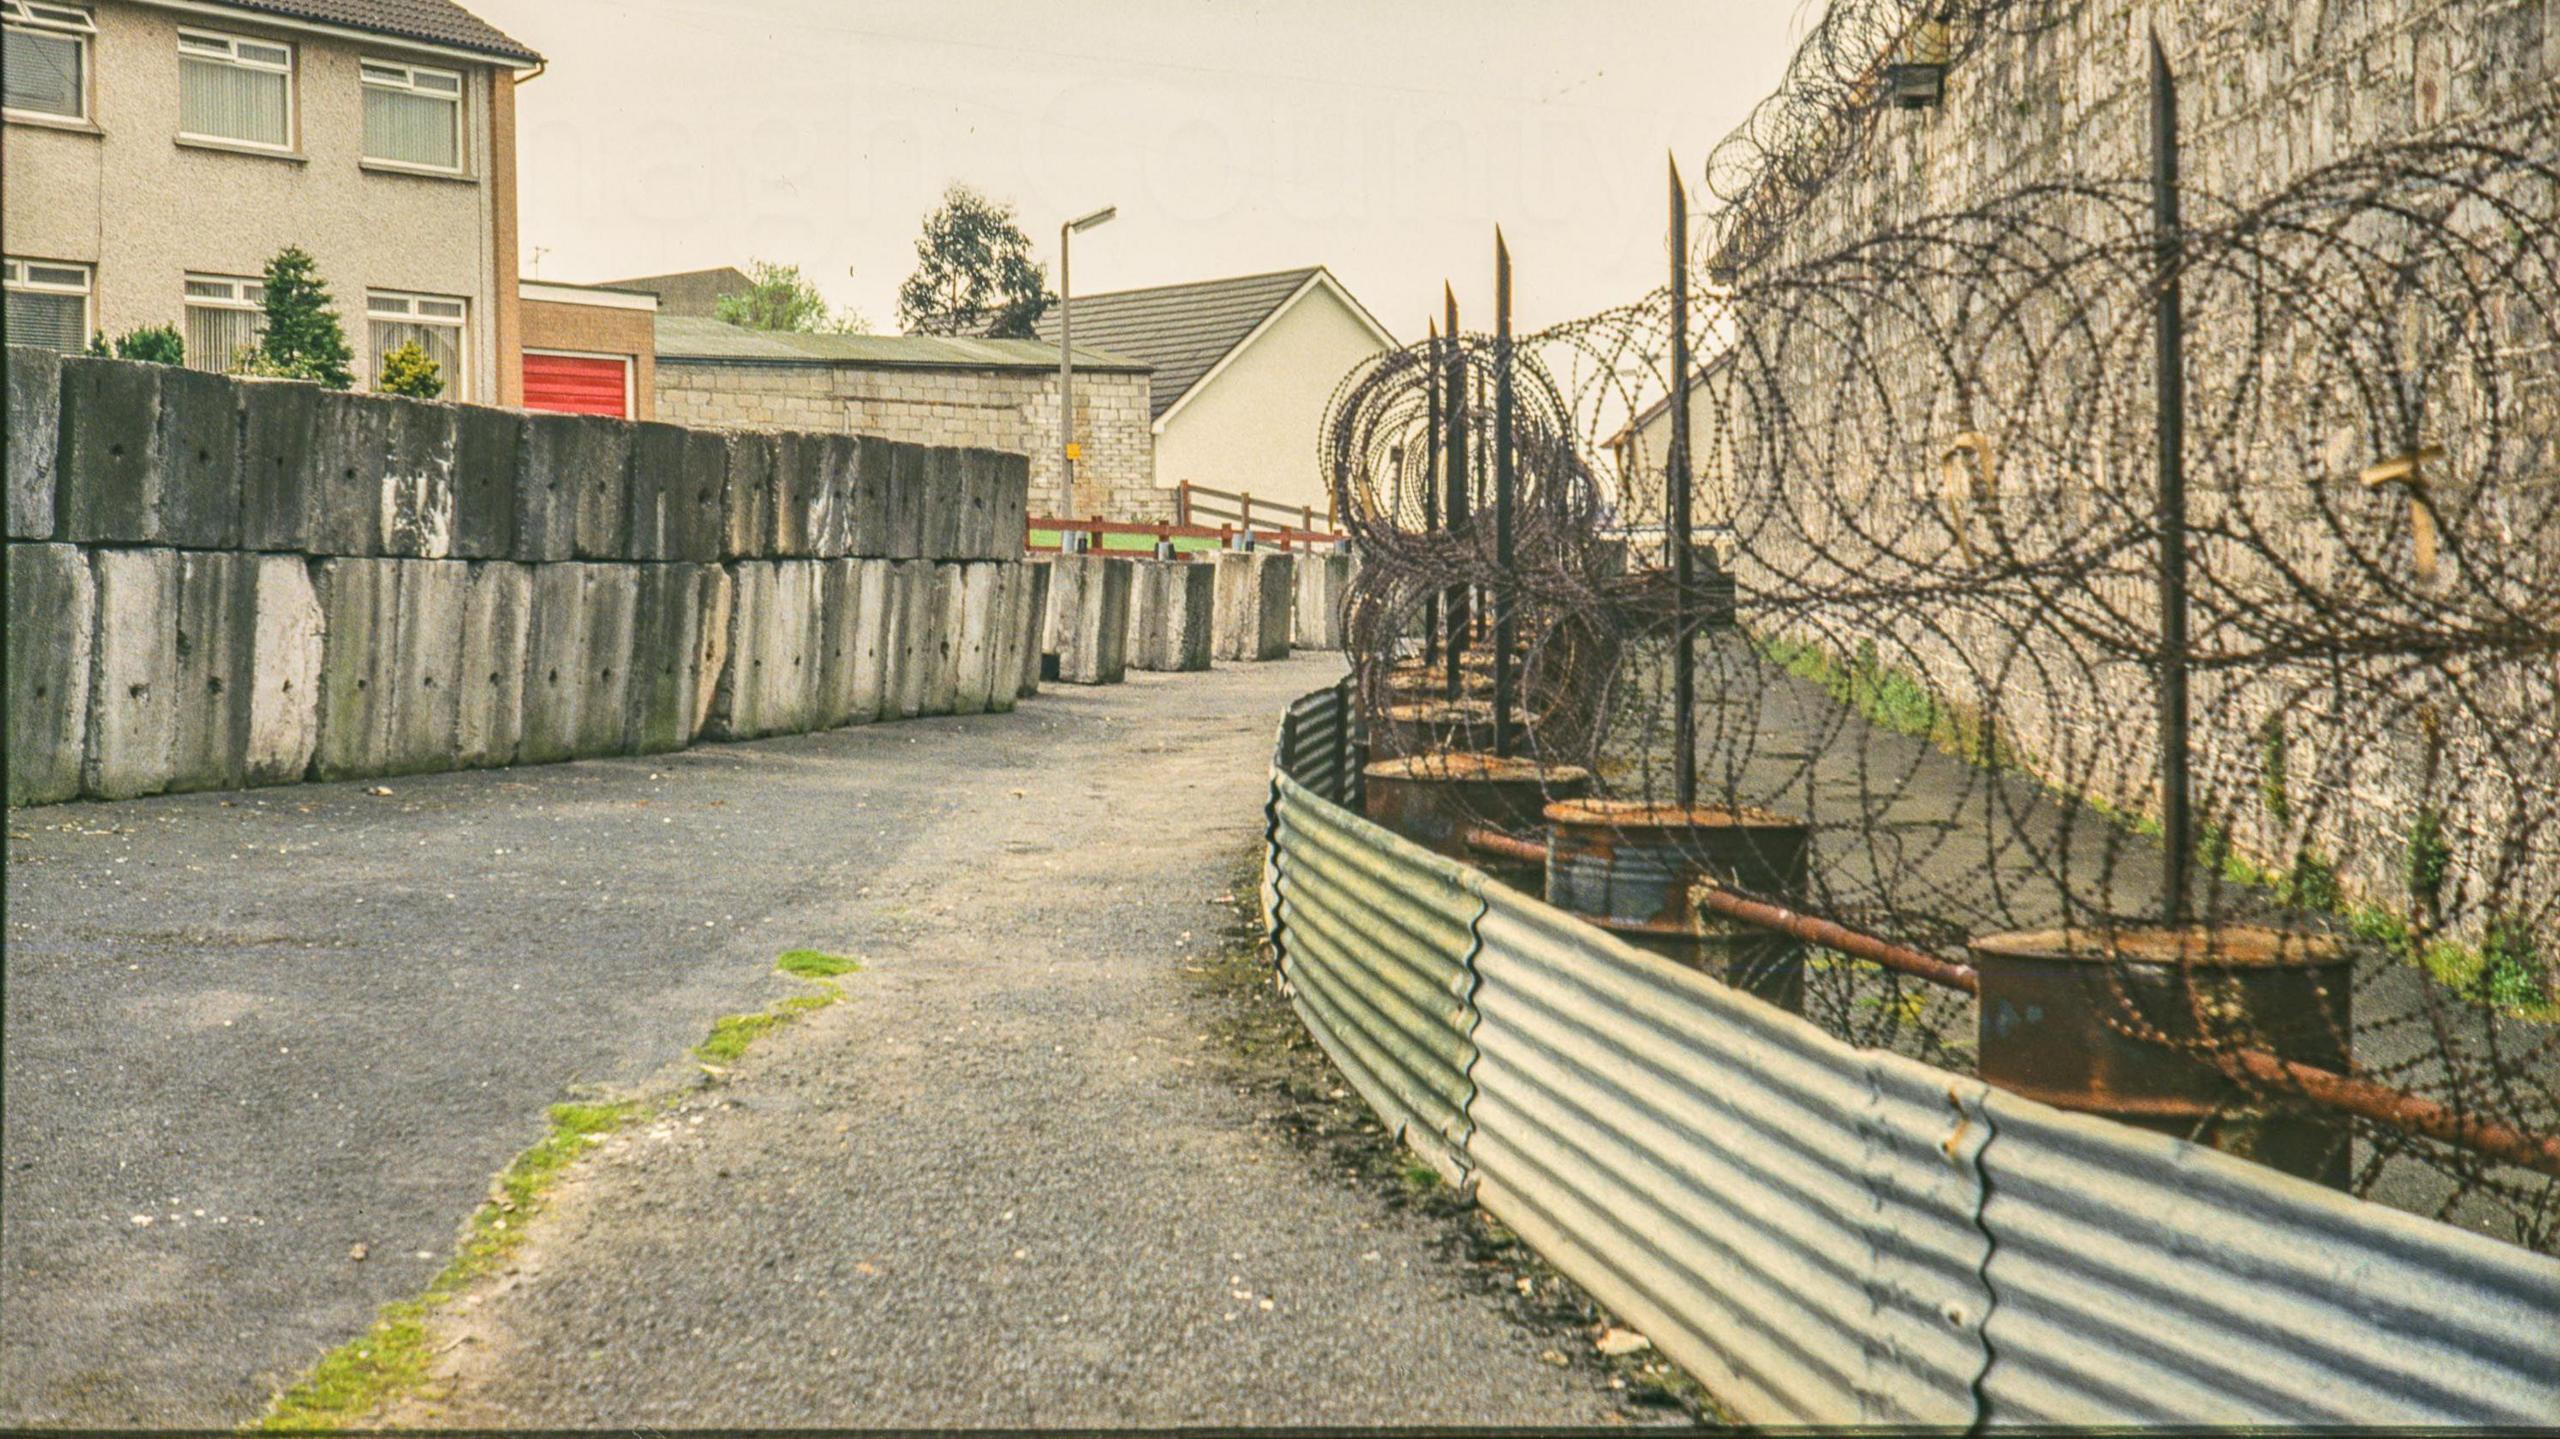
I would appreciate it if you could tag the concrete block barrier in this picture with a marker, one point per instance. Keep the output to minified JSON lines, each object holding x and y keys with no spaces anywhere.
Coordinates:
{"x":746,"y":503}
{"x":249,"y":646}
{"x":837,"y":480}
{"x":917,"y":612}
{"x":390,"y":666}
{"x":1031,"y":619}
{"x":973,"y":645}
{"x":1256,"y":590}
{"x":53,"y":610}
{"x":771,"y":682}
{"x":799,"y":500}
{"x":908,"y":491}
{"x":497,"y":620}
{"x":867,"y":527}
{"x":612,"y":595}
{"x":839,"y":640}
{"x":942,"y":659}
{"x":1323,"y":603}
{"x":1007,"y":480}
{"x":555,"y":660}
{"x":34,"y":377}
{"x":195,"y":454}
{"x":1171,"y":610}
{"x":488,"y":446}
{"x":110,"y":491}
{"x":277,"y":421}
{"x":421,"y":450}
{"x":946,"y":503}
{"x":1089,"y":618}
{"x":673,"y":602}
{"x":871,"y":637}
{"x":133,"y":711}
{"x":350,"y":453}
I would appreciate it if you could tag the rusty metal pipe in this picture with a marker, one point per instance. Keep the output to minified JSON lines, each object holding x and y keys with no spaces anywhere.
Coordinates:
{"x":1848,"y":941}
{"x":1494,"y":841}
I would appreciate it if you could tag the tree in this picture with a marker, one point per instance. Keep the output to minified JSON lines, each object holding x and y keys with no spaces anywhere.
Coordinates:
{"x":781,"y":298}
{"x":974,"y":273}
{"x":304,"y":340}
{"x":409,"y":370}
{"x":154,"y":344}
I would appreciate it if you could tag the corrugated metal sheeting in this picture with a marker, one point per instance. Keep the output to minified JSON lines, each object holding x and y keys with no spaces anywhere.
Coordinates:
{"x":1825,"y":1234}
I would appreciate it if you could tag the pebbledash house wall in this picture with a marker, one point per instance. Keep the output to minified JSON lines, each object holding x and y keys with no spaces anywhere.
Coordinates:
{"x":2269,"y":91}
{"x":1000,"y":409}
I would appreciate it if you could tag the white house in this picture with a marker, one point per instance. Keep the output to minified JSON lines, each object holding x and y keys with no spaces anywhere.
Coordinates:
{"x":1243,"y":371}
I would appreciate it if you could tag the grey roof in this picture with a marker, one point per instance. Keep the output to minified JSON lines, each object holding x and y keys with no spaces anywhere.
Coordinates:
{"x":438,"y":22}
{"x":689,"y":337}
{"x":690,"y":292}
{"x":1182,"y":330}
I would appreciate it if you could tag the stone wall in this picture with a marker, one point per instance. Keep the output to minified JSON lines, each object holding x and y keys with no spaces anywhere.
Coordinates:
{"x":215,"y":583}
{"x":2269,"y":92}
{"x":1013,"y":410}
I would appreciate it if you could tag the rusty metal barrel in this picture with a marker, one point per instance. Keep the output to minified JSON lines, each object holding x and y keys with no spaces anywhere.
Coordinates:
{"x":1435,"y":799}
{"x":1634,"y":868}
{"x":1420,"y":726}
{"x":2129,"y":1024}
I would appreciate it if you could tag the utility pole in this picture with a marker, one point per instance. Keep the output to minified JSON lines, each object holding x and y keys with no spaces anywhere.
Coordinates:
{"x":1067,"y":361}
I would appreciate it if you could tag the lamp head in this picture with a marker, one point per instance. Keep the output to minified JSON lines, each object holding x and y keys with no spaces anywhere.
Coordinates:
{"x":1098,"y":217}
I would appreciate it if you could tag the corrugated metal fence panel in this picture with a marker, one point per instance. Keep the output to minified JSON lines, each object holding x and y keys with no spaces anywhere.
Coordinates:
{"x":1313,"y":743}
{"x":1788,"y":1218}
{"x":1374,"y":934}
{"x":2145,"y":1280}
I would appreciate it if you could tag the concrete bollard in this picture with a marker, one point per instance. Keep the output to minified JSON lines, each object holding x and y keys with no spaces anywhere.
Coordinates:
{"x":1256,"y":589}
{"x":1089,"y":618}
{"x":1171,"y":609}
{"x":34,"y":440}
{"x":52,"y":617}
{"x":1032,"y":622}
{"x":132,"y":728}
{"x":1324,"y":598}
{"x":497,"y":615}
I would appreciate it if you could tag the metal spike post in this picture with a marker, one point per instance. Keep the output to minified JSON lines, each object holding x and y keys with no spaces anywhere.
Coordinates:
{"x":1431,"y":500}
{"x":2177,"y":836}
{"x":1684,"y":675}
{"x":1454,"y":474}
{"x":1505,"y":482}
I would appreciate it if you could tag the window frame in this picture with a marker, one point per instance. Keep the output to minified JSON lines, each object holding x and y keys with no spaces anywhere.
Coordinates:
{"x":457,"y":384}
{"x":247,"y":297}
{"x":291,"y":70}
{"x":366,"y":64}
{"x":15,"y":280}
{"x":80,"y":25}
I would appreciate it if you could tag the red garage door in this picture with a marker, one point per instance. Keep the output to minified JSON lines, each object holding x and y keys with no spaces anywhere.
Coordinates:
{"x":577,"y":384}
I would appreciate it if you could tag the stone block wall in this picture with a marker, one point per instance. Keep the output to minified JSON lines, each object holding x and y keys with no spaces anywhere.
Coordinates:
{"x":1009,"y":410}
{"x":216,"y":583}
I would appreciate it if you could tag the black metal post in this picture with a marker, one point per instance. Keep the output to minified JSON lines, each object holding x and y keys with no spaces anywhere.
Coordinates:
{"x":2177,"y":835}
{"x":1461,"y":525}
{"x":1431,"y":502}
{"x":1504,"y":484}
{"x":1684,"y":657}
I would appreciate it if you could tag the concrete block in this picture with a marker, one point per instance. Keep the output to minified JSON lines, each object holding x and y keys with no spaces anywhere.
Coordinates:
{"x":555,"y":664}
{"x":53,"y":614}
{"x":391,"y":666}
{"x":133,"y":709}
{"x":497,"y":618}
{"x":288,"y":638}
{"x":1323,"y":603}
{"x":950,"y":633}
{"x":108,"y":488}
{"x":1171,"y":609}
{"x":1256,"y":591}
{"x":665,"y":684}
{"x":838,"y":480}
{"x":591,"y":457}
{"x":872,"y":638}
{"x":974,"y":652}
{"x":196,"y":447}
{"x":1032,"y":614}
{"x":421,"y":447}
{"x":1005,"y":635}
{"x":488,"y":445}
{"x":34,"y":441}
{"x":797,"y":495}
{"x":839,"y":620}
{"x":911,"y":666}
{"x":946,"y":502}
{"x":771,"y":679}
{"x":679,"y":485}
{"x":1089,"y":618}
{"x":867,"y":530}
{"x":909,"y":497}
{"x":426,"y":713}
{"x":718,"y":594}
{"x":1008,"y":483}
{"x":277,"y":421}
{"x":350,"y":449}
{"x":612,"y":596}
{"x":212,"y":684}
{"x":746,"y":529}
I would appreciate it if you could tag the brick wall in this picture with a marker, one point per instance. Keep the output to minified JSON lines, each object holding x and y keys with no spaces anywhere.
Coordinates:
{"x":600,"y":330}
{"x":1012,"y":410}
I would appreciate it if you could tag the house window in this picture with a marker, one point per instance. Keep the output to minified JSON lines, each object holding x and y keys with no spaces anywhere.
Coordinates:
{"x":412,"y":116}
{"x":235,"y":90}
{"x":433,"y":321}
{"x":225,"y":315}
{"x":45,"y":54}
{"x":48,"y":304}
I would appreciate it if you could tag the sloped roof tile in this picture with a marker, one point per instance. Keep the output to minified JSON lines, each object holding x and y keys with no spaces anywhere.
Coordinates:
{"x":438,"y":22}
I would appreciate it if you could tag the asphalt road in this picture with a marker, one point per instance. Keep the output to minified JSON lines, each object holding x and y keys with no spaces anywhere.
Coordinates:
{"x":997,"y":1185}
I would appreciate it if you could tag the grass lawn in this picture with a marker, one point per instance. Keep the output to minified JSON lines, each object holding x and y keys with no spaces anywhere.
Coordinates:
{"x":1047,"y":540}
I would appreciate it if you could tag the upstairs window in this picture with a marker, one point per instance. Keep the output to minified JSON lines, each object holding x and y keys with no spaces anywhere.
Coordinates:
{"x":48,"y":303}
{"x":45,"y":52}
{"x":235,"y":90}
{"x":225,"y":315}
{"x":413,"y":116}
{"x":433,"y":321}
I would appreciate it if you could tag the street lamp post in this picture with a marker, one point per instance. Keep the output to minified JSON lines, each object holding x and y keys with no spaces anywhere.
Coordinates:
{"x":1067,"y":364}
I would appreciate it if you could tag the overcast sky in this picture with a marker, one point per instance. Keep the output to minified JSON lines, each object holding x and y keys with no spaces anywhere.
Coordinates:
{"x":1383,"y":138}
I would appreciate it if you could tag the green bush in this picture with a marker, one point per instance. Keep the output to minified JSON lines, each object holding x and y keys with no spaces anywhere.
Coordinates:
{"x":152,"y":344}
{"x":304,"y":340}
{"x":409,"y":370}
